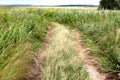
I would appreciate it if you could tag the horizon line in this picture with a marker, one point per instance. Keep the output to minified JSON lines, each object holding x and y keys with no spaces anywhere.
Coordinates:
{"x":50,"y":5}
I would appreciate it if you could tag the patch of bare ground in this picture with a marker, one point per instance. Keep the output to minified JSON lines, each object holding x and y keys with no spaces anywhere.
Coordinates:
{"x":91,"y":63}
{"x":35,"y":72}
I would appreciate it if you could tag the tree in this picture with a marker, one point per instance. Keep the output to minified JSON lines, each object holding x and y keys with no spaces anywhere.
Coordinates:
{"x":110,"y":4}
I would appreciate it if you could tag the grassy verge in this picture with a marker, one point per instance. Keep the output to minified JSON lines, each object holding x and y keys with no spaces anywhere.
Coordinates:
{"x":101,"y":30}
{"x":21,"y":32}
{"x":61,"y":61}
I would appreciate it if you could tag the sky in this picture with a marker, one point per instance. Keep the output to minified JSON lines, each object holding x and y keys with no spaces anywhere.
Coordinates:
{"x":50,"y":2}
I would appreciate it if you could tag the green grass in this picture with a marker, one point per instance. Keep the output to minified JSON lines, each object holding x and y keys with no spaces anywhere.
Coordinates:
{"x":103,"y":35}
{"x":21,"y":32}
{"x":20,"y":27}
{"x":61,"y":61}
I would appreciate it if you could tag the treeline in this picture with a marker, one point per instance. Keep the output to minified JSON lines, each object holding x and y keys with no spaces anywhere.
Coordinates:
{"x":110,"y":4}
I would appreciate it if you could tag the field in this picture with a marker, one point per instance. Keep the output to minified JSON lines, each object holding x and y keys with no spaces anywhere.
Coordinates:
{"x":24,"y":30}
{"x":78,"y":8}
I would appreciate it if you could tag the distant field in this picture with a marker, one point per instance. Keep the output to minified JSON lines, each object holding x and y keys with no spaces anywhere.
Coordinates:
{"x":79,"y":8}
{"x":86,"y":8}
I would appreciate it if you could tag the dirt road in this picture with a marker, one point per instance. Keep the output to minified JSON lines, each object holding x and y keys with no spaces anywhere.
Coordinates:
{"x":57,"y":37}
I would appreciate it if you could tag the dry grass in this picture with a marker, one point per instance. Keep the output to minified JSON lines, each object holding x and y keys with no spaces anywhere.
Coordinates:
{"x":60,"y":60}
{"x":18,"y":64}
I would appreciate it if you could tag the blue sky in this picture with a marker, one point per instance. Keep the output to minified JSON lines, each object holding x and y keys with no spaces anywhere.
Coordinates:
{"x":50,"y":2}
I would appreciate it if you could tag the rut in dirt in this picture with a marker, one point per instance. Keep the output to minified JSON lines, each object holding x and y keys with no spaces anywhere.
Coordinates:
{"x":56,"y":41}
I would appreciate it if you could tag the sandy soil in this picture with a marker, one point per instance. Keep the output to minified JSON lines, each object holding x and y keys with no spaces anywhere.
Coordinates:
{"x":35,"y":73}
{"x":91,"y":63}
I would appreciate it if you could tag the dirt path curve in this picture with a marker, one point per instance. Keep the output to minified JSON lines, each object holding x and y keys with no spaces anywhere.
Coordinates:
{"x":35,"y":72}
{"x":90,"y":62}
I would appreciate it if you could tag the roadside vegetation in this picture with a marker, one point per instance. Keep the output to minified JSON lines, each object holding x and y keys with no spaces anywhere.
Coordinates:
{"x":61,"y":60}
{"x":23,"y":30}
{"x":101,"y":30}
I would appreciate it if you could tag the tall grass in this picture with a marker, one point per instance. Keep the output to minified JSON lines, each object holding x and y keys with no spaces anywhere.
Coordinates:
{"x":20,"y":28}
{"x":103,"y":34}
{"x":61,"y":61}
{"x":21,"y":32}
